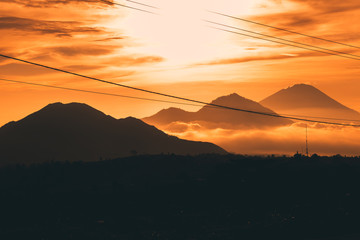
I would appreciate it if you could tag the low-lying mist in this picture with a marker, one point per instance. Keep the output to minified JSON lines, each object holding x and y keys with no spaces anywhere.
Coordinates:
{"x":322,"y":139}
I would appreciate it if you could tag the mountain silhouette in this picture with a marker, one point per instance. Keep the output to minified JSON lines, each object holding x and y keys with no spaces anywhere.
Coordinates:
{"x":78,"y":132}
{"x":213,"y":117}
{"x":303,"y":99}
{"x":170,"y":115}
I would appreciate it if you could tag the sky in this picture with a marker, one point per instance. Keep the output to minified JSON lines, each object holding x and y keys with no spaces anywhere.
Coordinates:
{"x":172,"y":51}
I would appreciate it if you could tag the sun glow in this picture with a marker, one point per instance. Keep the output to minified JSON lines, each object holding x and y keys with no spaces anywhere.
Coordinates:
{"x":179,"y":33}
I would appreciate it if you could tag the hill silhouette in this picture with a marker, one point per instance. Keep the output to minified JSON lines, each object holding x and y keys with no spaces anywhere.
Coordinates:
{"x":204,"y":197}
{"x":78,"y":132}
{"x":221,"y":118}
{"x":303,"y":99}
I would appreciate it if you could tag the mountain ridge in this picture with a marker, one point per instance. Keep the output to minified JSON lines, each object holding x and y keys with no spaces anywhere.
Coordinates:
{"x":75,"y":131}
{"x":219,"y":117}
{"x":306,"y":99}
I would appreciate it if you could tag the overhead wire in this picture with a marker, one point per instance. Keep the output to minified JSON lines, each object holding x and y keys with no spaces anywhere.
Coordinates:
{"x":152,"y":99}
{"x":261,"y":24}
{"x":307,"y":46}
{"x":174,"y":96}
{"x":96,"y":92}
{"x":126,"y":6}
{"x":282,"y":29}
{"x":282,"y":39}
{"x":288,"y":44}
{"x":177,"y":97}
{"x":322,"y":49}
{"x":320,"y":117}
{"x":142,"y":4}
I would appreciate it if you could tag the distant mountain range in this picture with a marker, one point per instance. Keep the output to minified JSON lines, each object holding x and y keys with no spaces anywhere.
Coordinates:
{"x":78,"y":132}
{"x":302,"y":99}
{"x":213,"y":117}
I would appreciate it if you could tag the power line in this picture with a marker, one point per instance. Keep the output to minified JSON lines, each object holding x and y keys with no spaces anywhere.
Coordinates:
{"x":269,"y":26}
{"x":292,"y":45}
{"x":332,"y":52}
{"x":142,"y":4}
{"x":265,"y":35}
{"x":257,"y":23}
{"x":307,"y":147}
{"x":97,"y":92}
{"x":181,"y":98}
{"x":133,"y":8}
{"x":319,"y":117}
{"x":147,"y":99}
{"x":283,"y":29}
{"x":176,"y":97}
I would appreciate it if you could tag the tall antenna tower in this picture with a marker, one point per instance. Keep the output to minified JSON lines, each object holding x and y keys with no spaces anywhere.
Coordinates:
{"x":307,"y":149}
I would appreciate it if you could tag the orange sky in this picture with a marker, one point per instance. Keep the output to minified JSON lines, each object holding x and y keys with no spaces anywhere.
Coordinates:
{"x":173,"y":52}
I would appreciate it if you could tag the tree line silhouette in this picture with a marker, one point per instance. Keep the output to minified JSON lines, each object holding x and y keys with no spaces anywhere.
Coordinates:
{"x":182,"y":197}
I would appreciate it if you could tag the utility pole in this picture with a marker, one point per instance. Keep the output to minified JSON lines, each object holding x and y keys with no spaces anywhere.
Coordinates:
{"x":307,"y":149}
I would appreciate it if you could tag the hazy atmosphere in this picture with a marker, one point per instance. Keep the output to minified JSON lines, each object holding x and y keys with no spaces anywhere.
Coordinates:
{"x":155,"y":48}
{"x":179,"y":119}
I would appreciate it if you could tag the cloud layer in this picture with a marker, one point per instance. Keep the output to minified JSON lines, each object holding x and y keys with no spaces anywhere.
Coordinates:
{"x":60,"y":28}
{"x":322,"y":139}
{"x":50,"y":3}
{"x":98,"y":39}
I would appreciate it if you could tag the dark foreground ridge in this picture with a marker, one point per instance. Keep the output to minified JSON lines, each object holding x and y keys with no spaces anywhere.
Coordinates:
{"x":183,"y":197}
{"x":78,"y":132}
